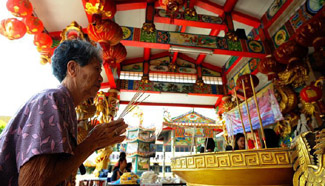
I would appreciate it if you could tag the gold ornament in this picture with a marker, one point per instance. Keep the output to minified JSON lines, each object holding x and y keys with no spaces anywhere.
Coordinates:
{"x":199,"y":82}
{"x":148,"y":27}
{"x":72,"y":31}
{"x":288,"y":97}
{"x":296,"y":76}
{"x":309,"y":165}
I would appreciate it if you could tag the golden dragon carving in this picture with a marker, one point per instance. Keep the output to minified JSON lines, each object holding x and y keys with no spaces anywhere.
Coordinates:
{"x":309,"y":159}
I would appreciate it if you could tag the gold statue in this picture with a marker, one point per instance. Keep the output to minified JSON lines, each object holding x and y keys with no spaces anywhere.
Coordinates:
{"x":296,"y":76}
{"x":309,"y":166}
{"x":101,"y":104}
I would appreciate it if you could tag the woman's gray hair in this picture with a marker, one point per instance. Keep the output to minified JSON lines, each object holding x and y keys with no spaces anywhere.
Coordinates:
{"x":80,"y":51}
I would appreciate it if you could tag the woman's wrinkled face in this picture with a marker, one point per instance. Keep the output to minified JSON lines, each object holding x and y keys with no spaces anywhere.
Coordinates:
{"x":241,"y":143}
{"x":90,"y":79}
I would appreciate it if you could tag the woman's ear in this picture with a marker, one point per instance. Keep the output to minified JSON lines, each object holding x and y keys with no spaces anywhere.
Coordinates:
{"x":72,"y":68}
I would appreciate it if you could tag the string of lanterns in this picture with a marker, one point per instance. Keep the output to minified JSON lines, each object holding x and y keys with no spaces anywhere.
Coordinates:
{"x":105,"y":31}
{"x":26,"y":22}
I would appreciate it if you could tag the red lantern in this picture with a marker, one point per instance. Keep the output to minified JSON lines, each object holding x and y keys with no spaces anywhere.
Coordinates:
{"x":310,"y":31}
{"x":115,"y":54}
{"x":33,"y":24}
{"x":289,"y":51}
{"x":43,"y":40}
{"x":270,"y":67}
{"x":46,"y":54}
{"x":20,"y":8}
{"x":107,"y":8}
{"x":12,"y":28}
{"x":311,"y":93}
{"x":247,"y":82}
{"x":105,"y":31}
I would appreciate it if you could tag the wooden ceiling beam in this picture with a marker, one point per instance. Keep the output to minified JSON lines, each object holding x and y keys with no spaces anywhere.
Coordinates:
{"x":237,"y":16}
{"x":233,"y":65}
{"x":110,"y":76}
{"x":201,"y":57}
{"x":170,"y":104}
{"x":183,"y":22}
{"x":211,"y":7}
{"x":268,"y":23}
{"x":133,"y":61}
{"x":211,"y":67}
{"x":229,"y":5}
{"x":131,"y":5}
{"x":146,"y":54}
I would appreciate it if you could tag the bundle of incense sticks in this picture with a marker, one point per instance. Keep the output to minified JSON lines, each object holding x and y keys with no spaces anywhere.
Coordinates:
{"x":133,"y":103}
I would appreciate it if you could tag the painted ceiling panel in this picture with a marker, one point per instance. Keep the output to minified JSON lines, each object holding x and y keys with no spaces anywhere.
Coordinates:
{"x":175,"y":98}
{"x":204,"y":12}
{"x":56,"y":15}
{"x":247,"y":28}
{"x":165,"y":27}
{"x":217,"y":60}
{"x":196,"y":30}
{"x":254,"y":8}
{"x":219,"y":2}
{"x":103,"y":74}
{"x":133,"y":52}
{"x":192,"y":55}
{"x":157,"y":51}
{"x":131,"y":18}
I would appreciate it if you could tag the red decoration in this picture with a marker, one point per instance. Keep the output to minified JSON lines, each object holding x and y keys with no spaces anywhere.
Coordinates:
{"x":43,"y":40}
{"x":107,"y":8}
{"x":311,"y":93}
{"x":115,"y":54}
{"x":33,"y":25}
{"x":171,"y":5}
{"x":20,"y":8}
{"x":247,"y":82}
{"x":270,"y":67}
{"x":12,"y":28}
{"x":310,"y":31}
{"x":46,"y":54}
{"x":290,"y":51}
{"x":105,"y":31}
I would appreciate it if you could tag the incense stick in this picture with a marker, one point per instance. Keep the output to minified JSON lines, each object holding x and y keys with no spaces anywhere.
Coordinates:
{"x":133,"y":103}
{"x":136,"y":95}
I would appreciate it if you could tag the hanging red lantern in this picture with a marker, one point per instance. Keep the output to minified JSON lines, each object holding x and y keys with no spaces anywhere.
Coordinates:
{"x":171,"y":6}
{"x":311,"y":93}
{"x":107,"y":8}
{"x":12,"y":28}
{"x":289,"y":51}
{"x":105,"y":31}
{"x":43,"y":40}
{"x":20,"y":8}
{"x":310,"y":31}
{"x":46,"y":54}
{"x":270,"y":67}
{"x":247,"y":83}
{"x":33,"y":24}
{"x":115,"y":54}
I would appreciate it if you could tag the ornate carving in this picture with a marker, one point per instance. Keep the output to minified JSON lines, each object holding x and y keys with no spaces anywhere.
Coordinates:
{"x":287,"y":98}
{"x":234,"y":159}
{"x":296,"y":76}
{"x":309,"y":164}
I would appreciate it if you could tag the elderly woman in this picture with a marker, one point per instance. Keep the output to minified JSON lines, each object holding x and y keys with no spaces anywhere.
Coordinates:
{"x":38,"y":146}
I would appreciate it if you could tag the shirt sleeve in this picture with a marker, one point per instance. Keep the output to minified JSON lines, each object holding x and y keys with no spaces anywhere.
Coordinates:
{"x":45,"y":130}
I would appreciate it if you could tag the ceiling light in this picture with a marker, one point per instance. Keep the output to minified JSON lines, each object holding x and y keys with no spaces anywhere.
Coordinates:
{"x":190,"y":50}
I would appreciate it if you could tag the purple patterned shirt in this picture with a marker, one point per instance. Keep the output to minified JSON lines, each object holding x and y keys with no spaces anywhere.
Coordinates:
{"x":46,"y":124}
